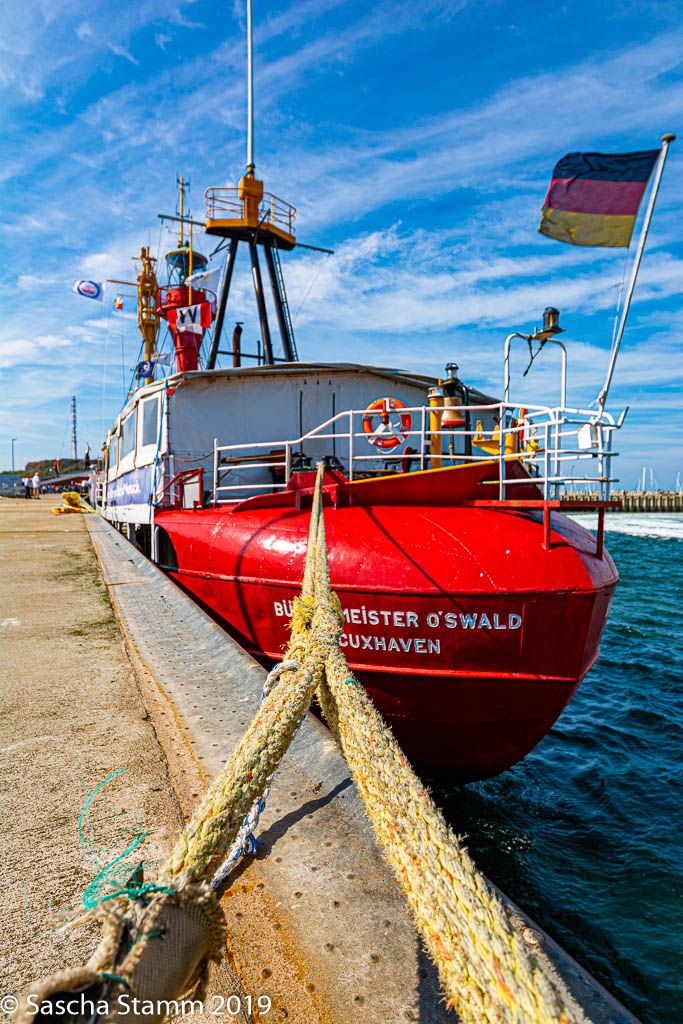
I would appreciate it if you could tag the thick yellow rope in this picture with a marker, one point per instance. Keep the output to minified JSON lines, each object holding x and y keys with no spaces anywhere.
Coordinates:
{"x":216,"y":821}
{"x":488,"y":973}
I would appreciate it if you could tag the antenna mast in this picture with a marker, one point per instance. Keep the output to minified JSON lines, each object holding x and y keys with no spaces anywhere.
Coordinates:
{"x":74,"y":438}
{"x":181,"y":184}
{"x":250,"y":93}
{"x":260,"y":219}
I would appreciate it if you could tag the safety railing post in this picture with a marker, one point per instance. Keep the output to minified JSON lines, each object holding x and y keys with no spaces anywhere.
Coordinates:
{"x":546,"y":463}
{"x":501,"y":452}
{"x":288,"y":462}
{"x":608,"y":465}
{"x":601,"y":460}
{"x":422,"y":437}
{"x":215,"y":471}
{"x":351,"y":445}
{"x":556,"y":452}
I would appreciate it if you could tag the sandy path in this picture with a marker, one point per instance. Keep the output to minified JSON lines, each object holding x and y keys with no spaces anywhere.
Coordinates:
{"x":69,"y":698}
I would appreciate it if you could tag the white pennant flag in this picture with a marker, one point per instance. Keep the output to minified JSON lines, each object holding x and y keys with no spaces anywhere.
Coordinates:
{"x":205,"y":279}
{"x":89,"y":289}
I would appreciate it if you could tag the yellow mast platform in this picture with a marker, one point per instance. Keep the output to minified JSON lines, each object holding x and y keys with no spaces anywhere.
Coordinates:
{"x":243,"y":211}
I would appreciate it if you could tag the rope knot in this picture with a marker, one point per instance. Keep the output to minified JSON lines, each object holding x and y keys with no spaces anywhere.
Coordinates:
{"x":303,"y":609}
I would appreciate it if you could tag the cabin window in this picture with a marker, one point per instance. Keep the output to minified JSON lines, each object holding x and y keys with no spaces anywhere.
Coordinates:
{"x":150,"y":421}
{"x":128,"y":436}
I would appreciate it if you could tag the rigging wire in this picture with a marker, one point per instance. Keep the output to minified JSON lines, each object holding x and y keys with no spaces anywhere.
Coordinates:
{"x":219,"y":247}
{"x":107,"y":339}
{"x":322,"y":264}
{"x":123,"y":366}
{"x":616,"y":312}
{"x":158,"y":249}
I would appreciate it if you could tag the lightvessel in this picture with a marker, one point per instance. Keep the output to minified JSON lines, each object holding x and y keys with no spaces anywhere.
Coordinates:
{"x":473,"y":605}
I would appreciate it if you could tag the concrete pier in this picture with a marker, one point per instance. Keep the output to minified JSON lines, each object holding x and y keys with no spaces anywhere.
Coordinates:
{"x":635,"y":501}
{"x":315,"y":919}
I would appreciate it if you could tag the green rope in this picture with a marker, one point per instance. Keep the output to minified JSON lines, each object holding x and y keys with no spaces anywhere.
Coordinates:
{"x":109,"y":874}
{"x":150,"y":935}
{"x":132,"y":892}
{"x":115,"y":977}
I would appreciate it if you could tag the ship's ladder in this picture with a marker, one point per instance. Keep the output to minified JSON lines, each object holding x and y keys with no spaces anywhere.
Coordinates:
{"x":283,"y":299}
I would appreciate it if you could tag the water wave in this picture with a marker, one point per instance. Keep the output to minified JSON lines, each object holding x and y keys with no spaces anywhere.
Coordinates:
{"x":584,"y":833}
{"x":667,"y":525}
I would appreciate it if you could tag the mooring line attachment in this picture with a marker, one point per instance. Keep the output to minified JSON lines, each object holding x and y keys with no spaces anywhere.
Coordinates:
{"x":245,"y":841}
{"x":487,"y":971}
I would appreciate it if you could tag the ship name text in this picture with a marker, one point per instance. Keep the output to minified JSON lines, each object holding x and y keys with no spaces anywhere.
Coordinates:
{"x":401,"y":618}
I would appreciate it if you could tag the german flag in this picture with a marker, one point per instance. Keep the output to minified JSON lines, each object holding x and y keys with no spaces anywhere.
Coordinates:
{"x":593,"y":198}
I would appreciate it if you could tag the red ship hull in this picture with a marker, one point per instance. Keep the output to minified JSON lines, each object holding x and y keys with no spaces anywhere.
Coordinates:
{"x":470,"y":632}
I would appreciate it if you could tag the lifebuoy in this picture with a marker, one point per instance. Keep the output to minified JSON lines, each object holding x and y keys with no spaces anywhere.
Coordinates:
{"x":388,"y":433}
{"x":523,"y":428}
{"x":527,"y":434}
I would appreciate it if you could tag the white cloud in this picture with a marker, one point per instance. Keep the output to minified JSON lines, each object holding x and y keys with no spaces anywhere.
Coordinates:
{"x":27,"y":350}
{"x":84,"y":31}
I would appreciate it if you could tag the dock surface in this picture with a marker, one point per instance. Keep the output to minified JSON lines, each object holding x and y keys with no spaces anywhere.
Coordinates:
{"x":71,"y":703}
{"x":109,"y":666}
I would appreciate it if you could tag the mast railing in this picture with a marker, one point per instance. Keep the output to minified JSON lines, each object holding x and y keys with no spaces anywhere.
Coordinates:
{"x":542,"y":442}
{"x":170,"y":295}
{"x":272,"y":210}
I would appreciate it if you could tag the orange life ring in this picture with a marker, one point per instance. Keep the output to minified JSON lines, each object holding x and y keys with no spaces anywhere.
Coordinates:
{"x":386,"y":435}
{"x":523,"y":428}
{"x":526,"y":433}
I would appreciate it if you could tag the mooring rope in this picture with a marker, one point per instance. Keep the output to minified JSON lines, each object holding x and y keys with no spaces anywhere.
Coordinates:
{"x":483,"y":962}
{"x":486,"y":969}
{"x":487,"y":972}
{"x":245,"y":841}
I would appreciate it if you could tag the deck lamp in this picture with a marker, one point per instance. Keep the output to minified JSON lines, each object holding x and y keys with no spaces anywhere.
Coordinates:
{"x":551,"y":325}
{"x":452,"y":417}
{"x":551,"y":321}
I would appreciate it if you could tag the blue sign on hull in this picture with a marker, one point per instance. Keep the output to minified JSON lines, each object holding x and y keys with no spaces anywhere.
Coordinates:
{"x":132,"y":488}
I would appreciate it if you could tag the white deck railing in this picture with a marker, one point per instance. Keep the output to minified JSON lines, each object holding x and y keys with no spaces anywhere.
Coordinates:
{"x":554,"y":431}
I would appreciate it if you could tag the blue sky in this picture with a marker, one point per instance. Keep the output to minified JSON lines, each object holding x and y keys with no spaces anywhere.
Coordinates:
{"x":417,"y":139}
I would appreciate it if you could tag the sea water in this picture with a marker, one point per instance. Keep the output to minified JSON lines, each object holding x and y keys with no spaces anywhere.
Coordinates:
{"x":586,"y":833}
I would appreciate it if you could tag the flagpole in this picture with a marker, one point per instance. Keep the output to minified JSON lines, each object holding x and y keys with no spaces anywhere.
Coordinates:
{"x":250,"y":93}
{"x":666,"y":141}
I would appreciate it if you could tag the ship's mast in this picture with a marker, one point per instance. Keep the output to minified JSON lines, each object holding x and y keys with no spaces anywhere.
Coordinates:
{"x":249,"y":215}
{"x":181,"y":237}
{"x":148,"y":314}
{"x":251,"y":166}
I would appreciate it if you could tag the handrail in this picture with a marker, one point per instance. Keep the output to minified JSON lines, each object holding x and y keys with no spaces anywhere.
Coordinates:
{"x":182,"y":476}
{"x":546,"y":341}
{"x":272,"y":209}
{"x":546,"y":422}
{"x":206,"y":293}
